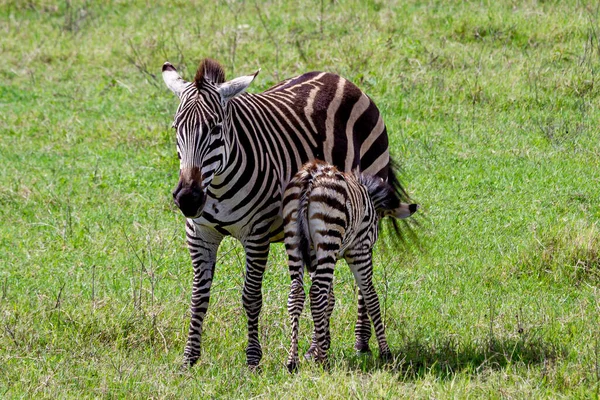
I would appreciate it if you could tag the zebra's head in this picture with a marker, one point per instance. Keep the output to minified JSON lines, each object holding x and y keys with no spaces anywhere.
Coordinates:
{"x":203,"y":140}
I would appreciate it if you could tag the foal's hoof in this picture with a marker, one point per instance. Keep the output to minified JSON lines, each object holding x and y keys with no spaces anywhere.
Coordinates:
{"x":324,"y":363}
{"x":311,"y":353}
{"x":292,"y":366}
{"x":386,"y":356}
{"x":254,"y":368}
{"x":189,"y":361}
{"x":362,"y":347}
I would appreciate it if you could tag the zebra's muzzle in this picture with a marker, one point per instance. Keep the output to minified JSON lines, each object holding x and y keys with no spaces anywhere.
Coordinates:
{"x":190,"y":200}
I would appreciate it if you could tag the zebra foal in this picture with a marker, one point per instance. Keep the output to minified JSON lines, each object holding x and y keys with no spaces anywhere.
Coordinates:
{"x":328,"y":215}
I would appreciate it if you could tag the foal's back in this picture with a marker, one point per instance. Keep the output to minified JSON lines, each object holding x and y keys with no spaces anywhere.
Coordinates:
{"x":326,"y":209}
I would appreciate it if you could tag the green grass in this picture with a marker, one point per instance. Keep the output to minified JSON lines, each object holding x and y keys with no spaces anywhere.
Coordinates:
{"x":492,"y":109}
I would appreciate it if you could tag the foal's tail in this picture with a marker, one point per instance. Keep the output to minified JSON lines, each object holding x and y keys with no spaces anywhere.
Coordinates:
{"x":304,"y":181}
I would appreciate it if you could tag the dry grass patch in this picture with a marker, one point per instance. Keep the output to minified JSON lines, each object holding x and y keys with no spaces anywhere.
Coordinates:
{"x":569,"y":253}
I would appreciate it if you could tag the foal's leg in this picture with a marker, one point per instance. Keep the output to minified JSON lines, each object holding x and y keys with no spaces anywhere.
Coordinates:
{"x":296,"y":296}
{"x":362,"y":330}
{"x":361,"y":264}
{"x":319,"y":293}
{"x":320,"y":289}
{"x":295,"y":305}
{"x":310,"y":353}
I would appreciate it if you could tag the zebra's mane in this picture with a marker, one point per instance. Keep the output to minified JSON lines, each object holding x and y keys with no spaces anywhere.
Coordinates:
{"x":211,"y":71}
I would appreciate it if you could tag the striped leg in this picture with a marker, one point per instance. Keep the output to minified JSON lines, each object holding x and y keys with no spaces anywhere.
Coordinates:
{"x":203,"y":244}
{"x":319,"y":298}
{"x":328,"y":312}
{"x":295,"y":305}
{"x":256,"y":260}
{"x":296,"y":267}
{"x":360,"y":263}
{"x":362,"y":331}
{"x":297,"y":296}
{"x":310,"y":353}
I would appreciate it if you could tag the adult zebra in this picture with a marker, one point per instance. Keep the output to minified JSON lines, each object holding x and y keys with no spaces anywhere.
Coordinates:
{"x":238,"y":152}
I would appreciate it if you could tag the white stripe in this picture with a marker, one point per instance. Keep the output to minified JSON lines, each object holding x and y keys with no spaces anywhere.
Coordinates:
{"x":379,"y":164}
{"x":308,"y":110}
{"x":359,"y":108}
{"x":375,"y":133}
{"x":329,"y":123}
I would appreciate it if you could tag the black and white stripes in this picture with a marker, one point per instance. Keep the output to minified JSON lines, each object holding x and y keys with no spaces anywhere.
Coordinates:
{"x":238,"y":152}
{"x":330,"y":215}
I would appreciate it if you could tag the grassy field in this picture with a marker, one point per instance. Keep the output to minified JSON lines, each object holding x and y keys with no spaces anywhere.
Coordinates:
{"x":492,"y":109}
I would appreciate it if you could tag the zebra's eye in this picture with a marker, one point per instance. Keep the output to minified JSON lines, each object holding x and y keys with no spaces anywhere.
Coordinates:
{"x":216,"y":129}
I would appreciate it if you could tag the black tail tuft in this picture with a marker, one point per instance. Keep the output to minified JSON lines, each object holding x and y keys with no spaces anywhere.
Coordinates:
{"x":403,"y":229}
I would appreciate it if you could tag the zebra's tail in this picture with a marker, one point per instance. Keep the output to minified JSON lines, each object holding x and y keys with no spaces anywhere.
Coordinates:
{"x":303,"y":232}
{"x":403,"y":228}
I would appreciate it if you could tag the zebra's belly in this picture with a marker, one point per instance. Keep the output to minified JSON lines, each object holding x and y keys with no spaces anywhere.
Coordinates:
{"x":227,"y":218}
{"x":277,"y":230}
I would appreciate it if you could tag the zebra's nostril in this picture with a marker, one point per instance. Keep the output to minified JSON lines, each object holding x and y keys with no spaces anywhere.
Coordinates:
{"x":177,"y":190}
{"x":189,"y":201}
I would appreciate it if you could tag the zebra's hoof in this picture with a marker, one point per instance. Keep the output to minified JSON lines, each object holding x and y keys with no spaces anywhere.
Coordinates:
{"x":324,"y":363}
{"x":386,"y":356}
{"x":292,"y":367}
{"x":255,"y":368}
{"x":362,"y":347}
{"x":311,"y":353}
{"x":189,"y":361}
{"x":253,"y":357}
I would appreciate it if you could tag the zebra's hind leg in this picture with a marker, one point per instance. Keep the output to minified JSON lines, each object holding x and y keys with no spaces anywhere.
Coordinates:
{"x":360,"y":263}
{"x":362,"y":330}
{"x":295,"y":299}
{"x":319,"y":294}
{"x":310,"y":353}
{"x":203,"y":244}
{"x":257,"y":254}
{"x":295,"y":306}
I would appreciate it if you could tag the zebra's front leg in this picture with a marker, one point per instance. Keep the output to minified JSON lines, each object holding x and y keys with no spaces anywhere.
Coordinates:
{"x":257,"y":254}
{"x":202,"y":244}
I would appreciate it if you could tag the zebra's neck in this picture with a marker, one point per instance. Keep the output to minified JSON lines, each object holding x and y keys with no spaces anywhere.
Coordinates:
{"x":250,"y":142}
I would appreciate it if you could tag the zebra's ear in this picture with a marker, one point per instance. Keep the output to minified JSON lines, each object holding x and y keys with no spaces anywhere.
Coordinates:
{"x":405,"y":210}
{"x":232,"y":88}
{"x":172,"y":79}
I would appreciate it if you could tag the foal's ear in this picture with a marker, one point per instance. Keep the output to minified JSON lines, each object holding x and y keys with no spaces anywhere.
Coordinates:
{"x":172,"y":79}
{"x":405,"y":210}
{"x":232,"y":88}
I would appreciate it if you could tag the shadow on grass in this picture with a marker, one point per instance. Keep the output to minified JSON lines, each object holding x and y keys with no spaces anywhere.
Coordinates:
{"x":445,"y":359}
